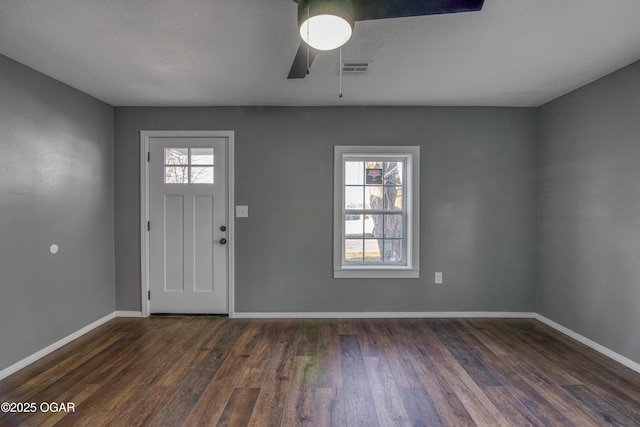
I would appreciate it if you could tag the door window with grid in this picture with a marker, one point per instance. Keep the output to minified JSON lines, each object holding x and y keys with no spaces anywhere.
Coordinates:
{"x":376,"y":217}
{"x":188,"y":165}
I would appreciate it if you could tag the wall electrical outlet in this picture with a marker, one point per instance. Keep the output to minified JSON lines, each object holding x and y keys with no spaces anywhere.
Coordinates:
{"x":438,"y":277}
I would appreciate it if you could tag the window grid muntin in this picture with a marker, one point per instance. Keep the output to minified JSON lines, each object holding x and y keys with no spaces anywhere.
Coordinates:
{"x":187,"y":168}
{"x":384,"y":159}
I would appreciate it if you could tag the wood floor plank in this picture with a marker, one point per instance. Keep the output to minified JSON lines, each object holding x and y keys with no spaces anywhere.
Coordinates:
{"x":451,"y":410}
{"x":367,"y":336}
{"x":308,"y":338}
{"x":46,"y":369}
{"x":470,"y":394}
{"x":100,"y":368}
{"x":271,"y":400}
{"x":513,"y":409}
{"x":329,"y":366}
{"x":420,"y":408}
{"x":170,"y":369}
{"x":346,"y":327}
{"x":330,"y":372}
{"x":298,"y":409}
{"x":552,"y":392}
{"x":185,"y":356}
{"x":359,"y":405}
{"x":69,"y":384}
{"x":46,"y":419}
{"x":253,"y":371}
{"x":604,"y":410}
{"x":534,"y":401}
{"x":521,"y":345}
{"x":329,"y":407}
{"x":423,"y":336}
{"x":239,"y":408}
{"x":403,"y":371}
{"x":78,"y":385}
{"x":136,"y":377}
{"x":211,"y":403}
{"x":419,"y":345}
{"x":482,"y":329}
{"x":389,"y":406}
{"x":451,"y":335}
{"x":60,"y":363}
{"x":214,"y":399}
{"x":622,"y":388}
{"x":196,"y":382}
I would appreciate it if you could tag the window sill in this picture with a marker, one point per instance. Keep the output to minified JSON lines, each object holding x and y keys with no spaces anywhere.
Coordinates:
{"x":376,"y":273}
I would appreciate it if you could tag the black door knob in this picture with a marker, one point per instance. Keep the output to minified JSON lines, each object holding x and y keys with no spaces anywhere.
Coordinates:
{"x":223,"y":241}
{"x":223,"y":228}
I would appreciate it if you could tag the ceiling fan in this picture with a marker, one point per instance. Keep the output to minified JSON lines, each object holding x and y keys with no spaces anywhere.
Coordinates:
{"x":342,"y":14}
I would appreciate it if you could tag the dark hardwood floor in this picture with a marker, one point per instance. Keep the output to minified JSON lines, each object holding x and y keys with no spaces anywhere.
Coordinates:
{"x":191,"y":371}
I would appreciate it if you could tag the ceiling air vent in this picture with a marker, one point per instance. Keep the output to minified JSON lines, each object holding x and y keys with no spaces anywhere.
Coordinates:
{"x":355,"y":67}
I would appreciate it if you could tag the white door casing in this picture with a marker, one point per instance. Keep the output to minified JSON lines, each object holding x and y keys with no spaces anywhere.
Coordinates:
{"x":188,"y":241}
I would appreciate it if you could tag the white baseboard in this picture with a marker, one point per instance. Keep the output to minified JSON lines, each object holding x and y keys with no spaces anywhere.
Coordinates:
{"x":51,"y":348}
{"x":384,"y":315}
{"x":128,"y":314}
{"x":589,"y":343}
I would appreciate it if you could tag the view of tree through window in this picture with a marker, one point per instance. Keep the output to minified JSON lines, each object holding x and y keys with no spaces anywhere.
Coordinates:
{"x":188,"y":165}
{"x":374,"y":211}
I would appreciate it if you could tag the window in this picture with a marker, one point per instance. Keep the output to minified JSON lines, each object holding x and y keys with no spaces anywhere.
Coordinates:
{"x":376,"y":211}
{"x":188,"y":165}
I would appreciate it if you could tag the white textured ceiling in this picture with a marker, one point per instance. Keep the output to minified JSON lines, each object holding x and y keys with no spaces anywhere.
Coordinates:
{"x":238,"y":52}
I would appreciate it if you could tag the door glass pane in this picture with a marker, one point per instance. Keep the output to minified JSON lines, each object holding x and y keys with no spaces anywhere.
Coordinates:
{"x":176,"y":175}
{"x":176,"y":156}
{"x":392,"y":250}
{"x":353,"y":250}
{"x":353,"y":173}
{"x":353,"y":197}
{"x":202,"y":156}
{"x":202,"y":175}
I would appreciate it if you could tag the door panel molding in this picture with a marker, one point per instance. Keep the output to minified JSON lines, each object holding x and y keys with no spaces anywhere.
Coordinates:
{"x":145,"y":140}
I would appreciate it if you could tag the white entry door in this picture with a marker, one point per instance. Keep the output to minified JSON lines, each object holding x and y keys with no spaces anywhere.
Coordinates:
{"x":188,"y":224}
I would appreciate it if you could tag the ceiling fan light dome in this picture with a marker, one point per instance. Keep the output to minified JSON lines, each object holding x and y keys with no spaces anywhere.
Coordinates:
{"x":326,"y":32}
{"x":325,"y":24}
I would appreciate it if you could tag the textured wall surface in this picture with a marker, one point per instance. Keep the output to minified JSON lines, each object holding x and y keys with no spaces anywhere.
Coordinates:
{"x":589,"y":211}
{"x":56,"y":187}
{"x":522,"y":209}
{"x":477,"y":205}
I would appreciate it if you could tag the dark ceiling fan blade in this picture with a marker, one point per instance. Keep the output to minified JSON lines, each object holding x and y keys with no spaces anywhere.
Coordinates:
{"x":299,"y":67}
{"x":366,"y":10}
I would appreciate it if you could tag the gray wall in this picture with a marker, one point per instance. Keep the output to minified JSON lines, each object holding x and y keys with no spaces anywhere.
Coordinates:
{"x":56,"y":186}
{"x":565,"y":245}
{"x":477,"y":218}
{"x":589,"y":211}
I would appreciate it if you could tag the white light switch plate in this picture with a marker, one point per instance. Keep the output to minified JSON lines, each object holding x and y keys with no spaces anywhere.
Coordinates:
{"x":242,"y":211}
{"x":438,"y":277}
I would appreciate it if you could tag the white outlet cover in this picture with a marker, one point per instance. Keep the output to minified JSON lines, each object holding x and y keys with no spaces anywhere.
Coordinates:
{"x":438,"y":277}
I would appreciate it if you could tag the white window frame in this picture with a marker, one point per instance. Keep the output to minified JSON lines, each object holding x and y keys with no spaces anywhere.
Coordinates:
{"x":410,"y":268}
